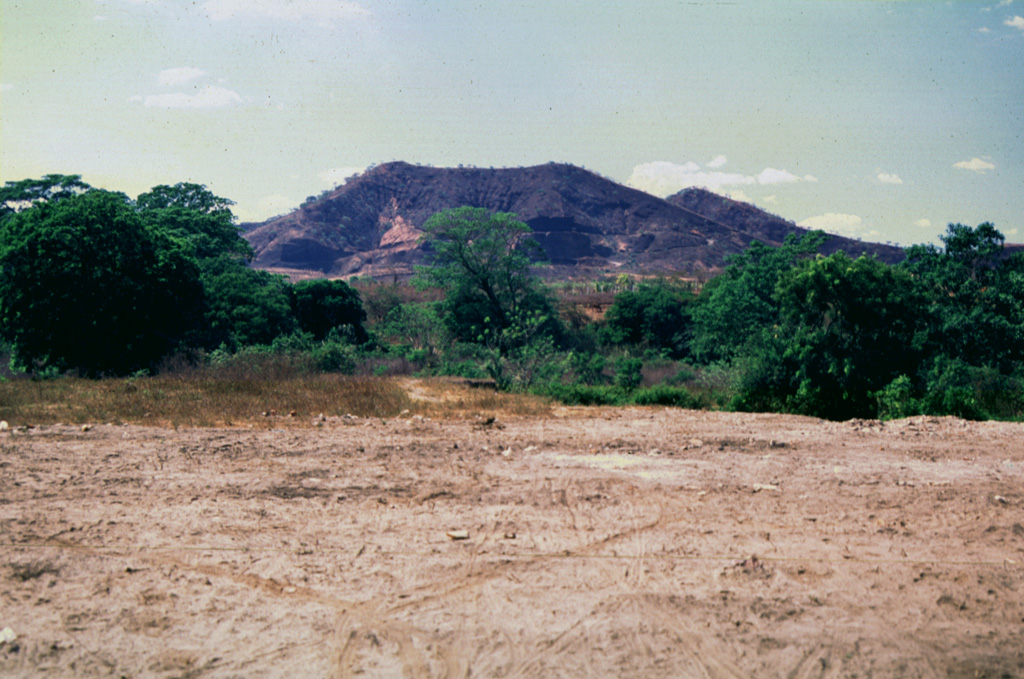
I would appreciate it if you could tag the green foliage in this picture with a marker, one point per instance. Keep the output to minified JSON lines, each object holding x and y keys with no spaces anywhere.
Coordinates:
{"x":321,"y":306}
{"x":482,"y":261}
{"x":734,"y":310}
{"x":897,"y":400}
{"x":587,"y":367}
{"x":23,"y":194}
{"x":665,"y":395}
{"x":243,"y":306}
{"x":583,"y":394}
{"x":191,"y":213}
{"x":975,"y":298}
{"x":87,"y":284}
{"x":628,"y":372}
{"x":654,"y":315}
{"x":851,"y":327}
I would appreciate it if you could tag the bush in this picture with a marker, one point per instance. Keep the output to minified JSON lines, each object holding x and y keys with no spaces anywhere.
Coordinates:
{"x":628,"y":372}
{"x":897,"y":400}
{"x":664,"y":395}
{"x":583,"y":394}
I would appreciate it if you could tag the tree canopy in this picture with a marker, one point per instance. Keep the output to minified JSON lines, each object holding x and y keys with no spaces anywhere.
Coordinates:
{"x":482,"y":261}
{"x":87,"y":284}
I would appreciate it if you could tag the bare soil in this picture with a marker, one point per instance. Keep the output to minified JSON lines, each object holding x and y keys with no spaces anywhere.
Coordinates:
{"x":601,"y":543}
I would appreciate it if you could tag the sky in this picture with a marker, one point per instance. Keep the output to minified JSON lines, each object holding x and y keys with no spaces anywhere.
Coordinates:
{"x":878,"y":120}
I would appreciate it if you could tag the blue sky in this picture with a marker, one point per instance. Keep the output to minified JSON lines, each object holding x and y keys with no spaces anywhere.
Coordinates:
{"x":880,"y":120}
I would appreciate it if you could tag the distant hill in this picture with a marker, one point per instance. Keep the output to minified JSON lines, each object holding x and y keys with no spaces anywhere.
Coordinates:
{"x":587,"y":224}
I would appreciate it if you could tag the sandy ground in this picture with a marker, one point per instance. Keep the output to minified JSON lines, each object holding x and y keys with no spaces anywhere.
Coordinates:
{"x":601,"y":543}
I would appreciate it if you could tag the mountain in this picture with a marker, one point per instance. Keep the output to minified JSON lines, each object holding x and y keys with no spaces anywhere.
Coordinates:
{"x":768,"y":228}
{"x":587,"y":224}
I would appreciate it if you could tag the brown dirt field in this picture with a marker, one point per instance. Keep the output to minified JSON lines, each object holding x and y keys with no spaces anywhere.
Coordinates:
{"x":601,"y":543}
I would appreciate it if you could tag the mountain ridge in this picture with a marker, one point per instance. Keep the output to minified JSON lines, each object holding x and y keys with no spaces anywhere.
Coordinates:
{"x":587,"y":224}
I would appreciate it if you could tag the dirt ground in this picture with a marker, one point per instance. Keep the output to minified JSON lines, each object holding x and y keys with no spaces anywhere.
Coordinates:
{"x":597,"y":543}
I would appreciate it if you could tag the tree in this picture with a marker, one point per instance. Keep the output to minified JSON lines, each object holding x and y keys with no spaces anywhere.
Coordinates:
{"x":483,"y":262}
{"x":973,"y":293}
{"x":23,"y":194}
{"x":735,"y":308}
{"x":322,"y":305}
{"x":243,"y":306}
{"x":87,"y":284}
{"x":656,"y":314}
{"x":195,"y":215}
{"x":850,"y":327}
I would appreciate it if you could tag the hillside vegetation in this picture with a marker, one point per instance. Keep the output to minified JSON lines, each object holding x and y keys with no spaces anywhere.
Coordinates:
{"x":94,"y":284}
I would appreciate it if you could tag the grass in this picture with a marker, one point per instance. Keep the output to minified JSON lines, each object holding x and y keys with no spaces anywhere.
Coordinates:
{"x":196,"y":401}
{"x":203,"y":400}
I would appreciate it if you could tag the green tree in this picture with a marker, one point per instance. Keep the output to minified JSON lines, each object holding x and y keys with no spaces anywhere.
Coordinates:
{"x":23,"y":194}
{"x":735,"y":309}
{"x":974,"y":294}
{"x":193,"y":214}
{"x":87,"y":284}
{"x":243,"y":306}
{"x":322,"y":305}
{"x":850,"y":327}
{"x":655,"y":315}
{"x":482,"y":261}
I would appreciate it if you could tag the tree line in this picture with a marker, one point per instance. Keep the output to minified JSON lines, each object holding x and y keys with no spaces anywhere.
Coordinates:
{"x":95,"y":283}
{"x":99,"y":284}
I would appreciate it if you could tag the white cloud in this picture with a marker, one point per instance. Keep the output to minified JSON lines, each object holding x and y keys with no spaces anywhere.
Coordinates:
{"x":974,"y":165}
{"x":717,"y":162}
{"x":740,"y":196}
{"x":770,"y":175}
{"x":834,"y":222}
{"x":1015,"y":22}
{"x":323,"y":11}
{"x":887,"y":178}
{"x":983,"y":29}
{"x":172,"y":77}
{"x":923,"y":223}
{"x":339,"y":175}
{"x":663,"y":178}
{"x":207,"y":97}
{"x":770,"y":200}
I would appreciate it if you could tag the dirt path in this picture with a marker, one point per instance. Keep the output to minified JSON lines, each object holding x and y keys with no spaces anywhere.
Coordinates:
{"x":601,"y":543}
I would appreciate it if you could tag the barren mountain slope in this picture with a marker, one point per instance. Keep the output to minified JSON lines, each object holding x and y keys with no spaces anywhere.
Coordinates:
{"x":586,"y":223}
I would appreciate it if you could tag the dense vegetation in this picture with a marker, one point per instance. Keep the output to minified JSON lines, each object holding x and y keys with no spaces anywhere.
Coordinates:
{"x":95,"y":284}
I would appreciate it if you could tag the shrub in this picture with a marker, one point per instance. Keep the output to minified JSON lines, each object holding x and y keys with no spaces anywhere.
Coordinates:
{"x":897,"y":400}
{"x":664,"y":395}
{"x":628,"y":372}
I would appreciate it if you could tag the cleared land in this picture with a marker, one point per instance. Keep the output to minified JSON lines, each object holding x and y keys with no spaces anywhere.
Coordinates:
{"x":601,"y":543}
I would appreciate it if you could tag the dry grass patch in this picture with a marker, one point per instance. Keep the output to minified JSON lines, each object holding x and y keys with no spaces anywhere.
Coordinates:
{"x":198,"y":401}
{"x":456,"y":398}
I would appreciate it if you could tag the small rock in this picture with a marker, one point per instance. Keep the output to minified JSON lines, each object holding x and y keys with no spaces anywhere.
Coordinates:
{"x":507,"y":452}
{"x":758,"y":487}
{"x":1001,"y":500}
{"x":7,"y":636}
{"x":4,"y":426}
{"x":458,"y":534}
{"x":86,"y":427}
